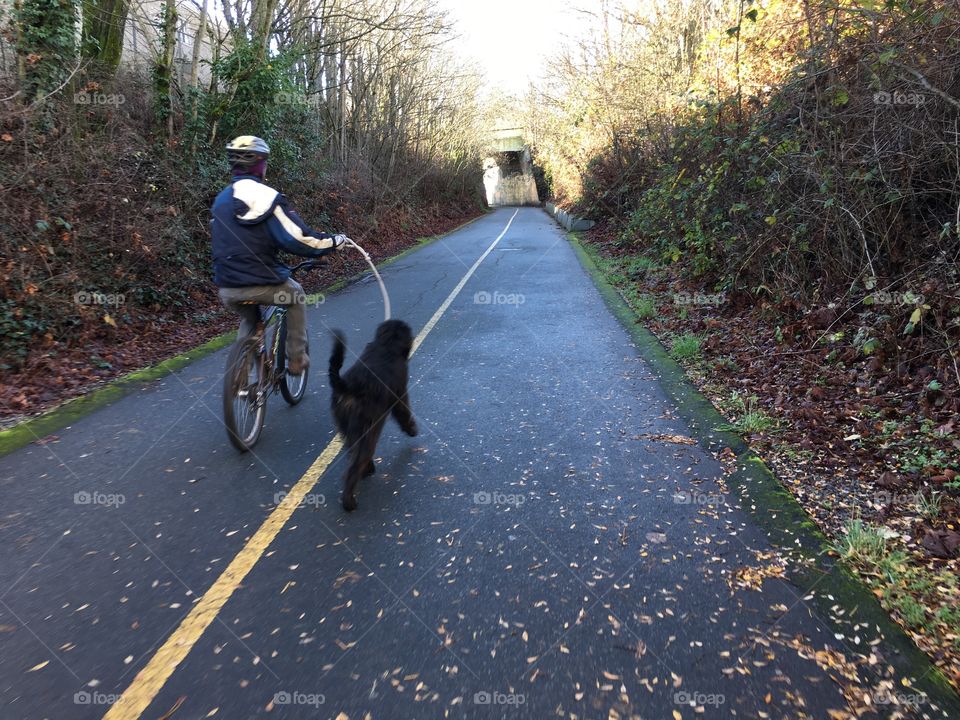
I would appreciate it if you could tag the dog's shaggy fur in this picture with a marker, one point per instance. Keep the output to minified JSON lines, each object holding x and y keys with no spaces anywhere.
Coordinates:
{"x":375,"y":387}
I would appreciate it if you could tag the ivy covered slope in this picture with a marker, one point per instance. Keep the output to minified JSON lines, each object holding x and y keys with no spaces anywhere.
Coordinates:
{"x":777,"y":189}
{"x":112,"y":154}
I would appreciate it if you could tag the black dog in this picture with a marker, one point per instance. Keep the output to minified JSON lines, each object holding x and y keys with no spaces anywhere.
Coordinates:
{"x":372,"y":389}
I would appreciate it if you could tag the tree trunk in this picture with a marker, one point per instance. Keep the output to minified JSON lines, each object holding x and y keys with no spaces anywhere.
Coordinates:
{"x":342,"y":102}
{"x":197,"y":45}
{"x":261,"y":20}
{"x":163,"y":74}
{"x":21,"y":56}
{"x":195,"y":69}
{"x":103,"y":25}
{"x":331,"y":92}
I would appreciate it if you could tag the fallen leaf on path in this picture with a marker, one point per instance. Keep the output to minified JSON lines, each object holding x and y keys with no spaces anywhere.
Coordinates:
{"x":176,"y":706}
{"x":663,"y":437}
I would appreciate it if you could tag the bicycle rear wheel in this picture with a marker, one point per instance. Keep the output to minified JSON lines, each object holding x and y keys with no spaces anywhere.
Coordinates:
{"x":244,"y":394}
{"x":292,"y":387}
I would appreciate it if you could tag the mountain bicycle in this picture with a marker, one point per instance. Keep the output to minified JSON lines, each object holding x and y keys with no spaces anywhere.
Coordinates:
{"x":256,"y":368}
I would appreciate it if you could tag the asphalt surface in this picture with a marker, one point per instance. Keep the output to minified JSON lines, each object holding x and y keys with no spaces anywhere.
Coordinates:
{"x":551,"y":545}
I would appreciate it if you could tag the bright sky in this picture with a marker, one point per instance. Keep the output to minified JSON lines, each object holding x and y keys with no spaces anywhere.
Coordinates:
{"x":511,"y":38}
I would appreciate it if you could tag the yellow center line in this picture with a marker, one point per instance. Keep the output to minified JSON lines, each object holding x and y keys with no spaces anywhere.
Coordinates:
{"x":154,"y":675}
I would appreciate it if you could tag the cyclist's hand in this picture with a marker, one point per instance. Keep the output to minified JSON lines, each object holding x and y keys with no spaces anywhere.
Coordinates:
{"x":338,"y":240}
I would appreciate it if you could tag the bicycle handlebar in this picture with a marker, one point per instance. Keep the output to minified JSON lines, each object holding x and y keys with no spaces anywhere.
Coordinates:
{"x":307,"y":265}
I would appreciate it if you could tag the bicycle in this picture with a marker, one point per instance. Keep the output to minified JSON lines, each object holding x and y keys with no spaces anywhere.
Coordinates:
{"x":253,"y":374}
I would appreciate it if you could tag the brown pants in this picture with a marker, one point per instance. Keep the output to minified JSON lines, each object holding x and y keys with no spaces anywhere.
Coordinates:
{"x":289,"y":294}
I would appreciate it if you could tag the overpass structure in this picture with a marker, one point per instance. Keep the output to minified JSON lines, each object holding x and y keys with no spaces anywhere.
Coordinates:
{"x":508,"y":169}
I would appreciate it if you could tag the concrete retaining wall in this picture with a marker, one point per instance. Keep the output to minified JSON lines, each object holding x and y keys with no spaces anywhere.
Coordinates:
{"x":514,"y":188}
{"x":570,"y":222}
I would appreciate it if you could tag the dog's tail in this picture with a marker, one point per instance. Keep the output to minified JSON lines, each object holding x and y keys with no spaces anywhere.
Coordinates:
{"x":336,"y":362}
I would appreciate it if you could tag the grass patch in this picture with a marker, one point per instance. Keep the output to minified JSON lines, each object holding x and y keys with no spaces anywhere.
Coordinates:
{"x":685,"y":347}
{"x":750,"y":419}
{"x":622,"y":273}
{"x":907,"y":590}
{"x":726,"y":364}
{"x":862,"y":544}
{"x":929,"y":506}
{"x":643,"y":305}
{"x":638,"y":265}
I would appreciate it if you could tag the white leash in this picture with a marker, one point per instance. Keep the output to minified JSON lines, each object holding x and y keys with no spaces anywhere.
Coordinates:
{"x":383,"y":288}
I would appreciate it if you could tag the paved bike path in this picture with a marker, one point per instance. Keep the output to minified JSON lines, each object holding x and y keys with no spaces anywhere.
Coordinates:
{"x":533,"y":553}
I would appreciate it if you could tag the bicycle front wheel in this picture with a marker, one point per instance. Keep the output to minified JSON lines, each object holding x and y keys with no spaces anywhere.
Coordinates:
{"x":292,"y":387}
{"x":244,"y":394}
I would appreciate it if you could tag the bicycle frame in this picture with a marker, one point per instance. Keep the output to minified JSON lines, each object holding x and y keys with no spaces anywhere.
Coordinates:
{"x":270,"y":318}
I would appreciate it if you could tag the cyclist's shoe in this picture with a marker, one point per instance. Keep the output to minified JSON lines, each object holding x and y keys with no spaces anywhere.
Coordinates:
{"x":298,"y":365}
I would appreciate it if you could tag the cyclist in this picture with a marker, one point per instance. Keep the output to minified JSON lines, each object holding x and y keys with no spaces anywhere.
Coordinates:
{"x":251,"y":224}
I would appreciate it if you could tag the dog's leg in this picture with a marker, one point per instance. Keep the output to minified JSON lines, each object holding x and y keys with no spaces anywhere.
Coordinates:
{"x":349,"y":499}
{"x":370,"y":448}
{"x":361,"y":459}
{"x":404,"y":416}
